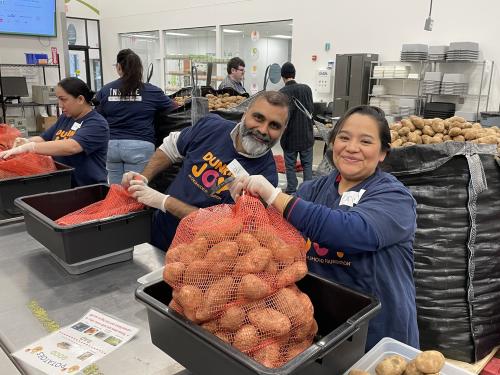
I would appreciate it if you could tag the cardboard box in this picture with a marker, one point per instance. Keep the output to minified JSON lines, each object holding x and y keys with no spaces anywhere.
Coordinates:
{"x":43,"y":123}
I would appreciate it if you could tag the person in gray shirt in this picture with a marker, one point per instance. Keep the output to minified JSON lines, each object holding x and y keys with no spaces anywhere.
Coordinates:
{"x":235,"y":75}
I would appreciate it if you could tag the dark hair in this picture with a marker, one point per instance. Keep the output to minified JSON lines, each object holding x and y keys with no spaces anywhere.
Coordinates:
{"x":376,"y":114}
{"x":76,"y":87}
{"x":288,"y":70}
{"x":234,"y":63}
{"x":275,"y":98}
{"x":132,"y":71}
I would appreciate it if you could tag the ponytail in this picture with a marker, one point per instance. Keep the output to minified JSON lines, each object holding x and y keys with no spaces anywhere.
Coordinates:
{"x":131,"y":66}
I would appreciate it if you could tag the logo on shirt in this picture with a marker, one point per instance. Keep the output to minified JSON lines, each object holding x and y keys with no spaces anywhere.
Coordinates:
{"x":116,"y":96}
{"x":64,"y":134}
{"x":322,"y":252}
{"x":211,"y":171}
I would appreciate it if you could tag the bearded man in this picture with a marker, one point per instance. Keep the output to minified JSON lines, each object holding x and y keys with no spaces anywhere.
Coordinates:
{"x":206,"y":149}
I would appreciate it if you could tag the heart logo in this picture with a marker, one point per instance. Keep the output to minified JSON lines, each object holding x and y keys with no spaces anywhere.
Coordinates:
{"x":340,"y":254}
{"x":321,"y":251}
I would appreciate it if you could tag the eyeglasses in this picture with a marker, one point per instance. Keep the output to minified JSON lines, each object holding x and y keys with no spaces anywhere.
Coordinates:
{"x":241,"y":70}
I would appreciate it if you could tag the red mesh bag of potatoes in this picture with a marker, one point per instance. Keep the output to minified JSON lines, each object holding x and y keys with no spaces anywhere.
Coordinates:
{"x":8,"y":135}
{"x":117,"y":202}
{"x":232,"y":269}
{"x":26,"y":164}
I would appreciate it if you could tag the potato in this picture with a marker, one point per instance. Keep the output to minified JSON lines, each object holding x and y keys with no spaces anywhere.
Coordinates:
{"x":426,"y":139}
{"x":246,"y":338}
{"x":269,"y":355}
{"x":295,"y":350}
{"x":225,"y":229}
{"x":291,"y":274}
{"x":356,"y":371}
{"x":408,"y":123}
{"x":172,"y":273}
{"x":411,"y":369}
{"x":457,"y":118}
{"x":453,"y":132}
{"x":446,"y":138}
{"x":397,"y":143}
{"x":232,"y":318}
{"x":404,"y":131}
{"x":467,"y":125}
{"x":306,"y":302}
{"x":211,"y":326}
{"x":392,"y":365}
{"x":437,"y":139}
{"x":220,"y":292}
{"x":427,"y":121}
{"x":253,"y":262}
{"x":271,"y":268}
{"x":470,"y":134}
{"x":286,"y":254}
{"x":196,"y":273}
{"x":417,"y":121}
{"x":189,"y":297}
{"x":174,"y":253}
{"x":396,"y":126}
{"x":224,"y":336}
{"x":428,"y":131}
{"x":437,"y":125}
{"x":304,"y":331}
{"x":418,"y":132}
{"x":174,"y":305}
{"x":415,"y":138}
{"x":270,"y":321}
{"x":246,"y":243}
{"x":253,"y":287}
{"x":406,"y":144}
{"x":459,"y":138}
{"x":490,"y":139}
{"x":221,"y":257}
{"x":394,"y":135}
{"x":429,"y":362}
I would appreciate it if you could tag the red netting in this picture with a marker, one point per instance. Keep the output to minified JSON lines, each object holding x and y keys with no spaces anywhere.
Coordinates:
{"x":233,"y":269}
{"x":279,"y":160}
{"x":117,"y":202}
{"x":26,"y":164}
{"x":8,"y":135}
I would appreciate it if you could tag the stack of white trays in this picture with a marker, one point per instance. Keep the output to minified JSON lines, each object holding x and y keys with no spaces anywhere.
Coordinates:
{"x":414,"y":52}
{"x":454,"y":84}
{"x":401,"y":71}
{"x":378,"y":90}
{"x":432,"y":83}
{"x":389,"y":71}
{"x":378,"y":71}
{"x":407,"y":107}
{"x":437,"y":53}
{"x":463,"y":51}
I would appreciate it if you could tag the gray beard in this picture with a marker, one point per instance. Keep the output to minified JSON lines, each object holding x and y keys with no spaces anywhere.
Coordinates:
{"x":252,"y":147}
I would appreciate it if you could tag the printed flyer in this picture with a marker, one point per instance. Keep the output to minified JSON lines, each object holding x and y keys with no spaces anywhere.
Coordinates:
{"x":74,"y":347}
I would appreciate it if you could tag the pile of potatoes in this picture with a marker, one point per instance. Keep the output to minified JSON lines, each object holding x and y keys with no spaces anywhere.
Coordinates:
{"x":416,"y":130}
{"x":225,"y":101}
{"x":428,"y":362}
{"x":237,"y":281}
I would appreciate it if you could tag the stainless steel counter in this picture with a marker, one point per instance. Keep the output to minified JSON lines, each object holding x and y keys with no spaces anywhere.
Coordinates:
{"x":28,"y":272}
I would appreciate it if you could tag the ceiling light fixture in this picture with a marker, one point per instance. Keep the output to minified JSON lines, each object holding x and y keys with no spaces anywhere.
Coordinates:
{"x":176,"y":34}
{"x":279,"y":36}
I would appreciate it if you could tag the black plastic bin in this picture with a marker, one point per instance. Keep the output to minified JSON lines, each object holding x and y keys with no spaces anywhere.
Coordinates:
{"x":342,"y":315}
{"x":11,"y":188}
{"x":81,"y":242}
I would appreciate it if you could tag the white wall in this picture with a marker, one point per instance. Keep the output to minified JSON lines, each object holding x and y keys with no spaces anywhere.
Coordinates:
{"x":351,"y":26}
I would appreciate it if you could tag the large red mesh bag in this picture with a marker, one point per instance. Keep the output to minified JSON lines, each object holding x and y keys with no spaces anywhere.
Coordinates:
{"x":232,"y":269}
{"x":26,"y":164}
{"x":8,"y":135}
{"x":117,"y":202}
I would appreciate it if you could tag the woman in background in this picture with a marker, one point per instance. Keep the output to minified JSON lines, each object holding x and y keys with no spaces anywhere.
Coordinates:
{"x":130,"y":105}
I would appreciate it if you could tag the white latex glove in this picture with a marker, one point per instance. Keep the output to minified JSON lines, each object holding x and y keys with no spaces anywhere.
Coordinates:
{"x":20,"y":141}
{"x":146,"y":195}
{"x":256,"y":185}
{"x":130,"y":176}
{"x":27,"y":147}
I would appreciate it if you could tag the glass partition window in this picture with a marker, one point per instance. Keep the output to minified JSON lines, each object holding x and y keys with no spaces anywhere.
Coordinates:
{"x":147,"y":46}
{"x":259,"y":45}
{"x":184,"y":47}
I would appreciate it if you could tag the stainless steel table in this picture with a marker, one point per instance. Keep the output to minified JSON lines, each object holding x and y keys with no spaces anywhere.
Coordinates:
{"x":28,"y":272}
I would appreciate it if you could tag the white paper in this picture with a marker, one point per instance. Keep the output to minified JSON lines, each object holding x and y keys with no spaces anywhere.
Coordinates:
{"x":350,"y":198}
{"x":74,"y":347}
{"x":237,"y":169}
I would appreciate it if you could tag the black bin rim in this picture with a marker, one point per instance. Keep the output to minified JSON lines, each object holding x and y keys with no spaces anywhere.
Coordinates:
{"x":27,"y":209}
{"x":61,"y":169}
{"x":316,"y":350}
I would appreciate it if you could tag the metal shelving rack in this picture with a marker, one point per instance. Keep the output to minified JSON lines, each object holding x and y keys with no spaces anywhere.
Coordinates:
{"x":208,"y":61}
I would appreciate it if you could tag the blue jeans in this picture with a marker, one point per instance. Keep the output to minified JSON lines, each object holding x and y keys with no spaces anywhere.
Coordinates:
{"x":126,"y":155}
{"x":306,"y":159}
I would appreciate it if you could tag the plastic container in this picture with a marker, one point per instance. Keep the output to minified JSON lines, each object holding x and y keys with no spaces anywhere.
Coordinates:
{"x":30,"y":58}
{"x":82,"y":242}
{"x":342,"y":315}
{"x":387,"y":347}
{"x":11,"y":188}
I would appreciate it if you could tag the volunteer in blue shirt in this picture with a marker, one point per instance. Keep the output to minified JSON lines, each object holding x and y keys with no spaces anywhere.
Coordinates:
{"x":79,"y":138}
{"x":130,"y":105}
{"x":206,"y":149}
{"x":360,"y":220}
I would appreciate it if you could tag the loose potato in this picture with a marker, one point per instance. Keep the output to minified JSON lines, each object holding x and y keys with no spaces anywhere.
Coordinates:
{"x":211,"y":326}
{"x":453,"y":132}
{"x":246,"y":338}
{"x":232,"y":318}
{"x":253,"y":262}
{"x":392,"y":365}
{"x":427,"y":122}
{"x":415,"y":138}
{"x":189,"y":297}
{"x":291,"y":274}
{"x":270,"y":321}
{"x":418,"y":132}
{"x":457,"y":118}
{"x":406,"y":144}
{"x":429,"y":362}
{"x":437,"y":125}
{"x":411,"y":369}
{"x":428,"y":131}
{"x":246,"y":243}
{"x":406,"y":122}
{"x":356,"y":371}
{"x":426,"y":139}
{"x":437,"y":139}
{"x":397,"y":143}
{"x":404,"y":131}
{"x":490,"y":139}
{"x":446,"y":138}
{"x":173,"y":272}
{"x":253,"y":287}
{"x":470,"y":134}
{"x":396,"y":126}
{"x":269,"y":355}
{"x":394,"y":135}
{"x":417,"y":121}
{"x":467,"y":125}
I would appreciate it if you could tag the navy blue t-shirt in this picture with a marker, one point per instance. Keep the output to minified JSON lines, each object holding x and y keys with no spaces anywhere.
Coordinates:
{"x":132,"y":117}
{"x":207,"y":149}
{"x":92,"y":134}
{"x":367,"y":246}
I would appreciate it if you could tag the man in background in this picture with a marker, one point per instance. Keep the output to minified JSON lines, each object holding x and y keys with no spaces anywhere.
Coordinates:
{"x":298,"y":137}
{"x":235,"y":75}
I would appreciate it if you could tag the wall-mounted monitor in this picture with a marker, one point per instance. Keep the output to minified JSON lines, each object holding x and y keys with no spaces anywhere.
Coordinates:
{"x":28,"y":17}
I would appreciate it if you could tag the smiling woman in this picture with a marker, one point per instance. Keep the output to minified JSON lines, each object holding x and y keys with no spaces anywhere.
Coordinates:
{"x":360,"y":222}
